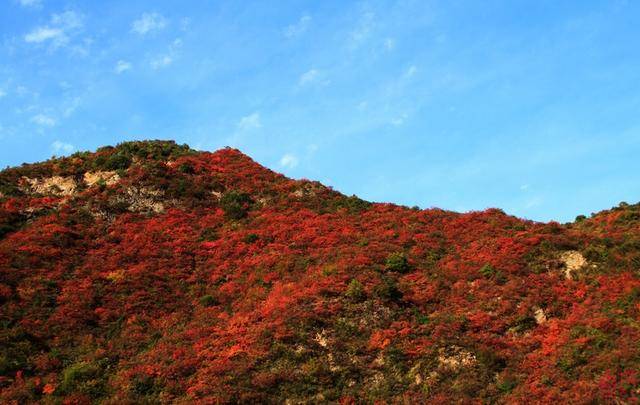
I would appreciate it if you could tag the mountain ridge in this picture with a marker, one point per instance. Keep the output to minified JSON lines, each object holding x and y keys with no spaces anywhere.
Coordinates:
{"x":152,"y":272}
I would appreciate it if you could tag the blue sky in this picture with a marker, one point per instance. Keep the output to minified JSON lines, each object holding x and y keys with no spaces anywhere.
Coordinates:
{"x":529,"y":106}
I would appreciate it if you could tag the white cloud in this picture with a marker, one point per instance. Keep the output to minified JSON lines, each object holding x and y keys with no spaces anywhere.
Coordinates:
{"x":58,"y":31}
{"x":289,"y":160}
{"x":42,"y":34}
{"x":122,"y":66}
{"x":59,"y":146}
{"x":2,"y":93}
{"x":149,"y":22}
{"x":399,"y":120}
{"x":524,"y":187}
{"x":308,"y":77}
{"x":68,"y":20}
{"x":251,"y":121}
{"x":162,"y":61}
{"x":313,"y":77}
{"x":30,"y":3}
{"x":43,"y":120}
{"x":298,"y":28}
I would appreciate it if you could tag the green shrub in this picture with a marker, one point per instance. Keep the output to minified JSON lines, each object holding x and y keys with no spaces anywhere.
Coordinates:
{"x":490,"y":272}
{"x":208,"y":301}
{"x":397,"y":262}
{"x":186,"y":168}
{"x":117,"y":161}
{"x":388,"y":290}
{"x":355,"y":291}
{"x":83,"y":377}
{"x":209,"y":234}
{"x":507,"y":385}
{"x":235,"y":204}
{"x":523,"y":324}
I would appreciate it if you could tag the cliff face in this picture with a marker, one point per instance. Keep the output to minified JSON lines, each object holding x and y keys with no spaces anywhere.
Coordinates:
{"x":152,"y":272}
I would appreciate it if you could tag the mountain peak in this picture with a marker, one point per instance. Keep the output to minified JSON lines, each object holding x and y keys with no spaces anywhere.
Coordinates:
{"x":151,"y":272}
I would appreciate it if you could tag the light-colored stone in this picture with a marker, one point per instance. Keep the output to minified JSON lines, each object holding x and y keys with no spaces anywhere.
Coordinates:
{"x":109,"y":178}
{"x":455,"y":358}
{"x":143,"y":199}
{"x":56,"y":185}
{"x":539,"y":315}
{"x":573,"y":262}
{"x":306,"y":190}
{"x":321,"y":338}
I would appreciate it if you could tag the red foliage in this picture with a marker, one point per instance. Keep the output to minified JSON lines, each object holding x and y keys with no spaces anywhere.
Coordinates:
{"x":104,"y":299}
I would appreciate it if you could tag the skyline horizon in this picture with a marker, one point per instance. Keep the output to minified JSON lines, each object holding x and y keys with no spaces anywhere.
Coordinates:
{"x":409,"y":206}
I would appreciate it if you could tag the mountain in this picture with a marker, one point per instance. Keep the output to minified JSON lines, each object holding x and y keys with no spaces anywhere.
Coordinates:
{"x":152,"y":273}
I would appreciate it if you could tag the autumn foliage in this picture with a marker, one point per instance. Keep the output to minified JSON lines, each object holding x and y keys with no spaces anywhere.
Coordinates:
{"x":204,"y":277}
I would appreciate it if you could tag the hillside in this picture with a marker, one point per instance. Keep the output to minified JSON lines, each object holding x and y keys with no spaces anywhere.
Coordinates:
{"x":153,"y":273}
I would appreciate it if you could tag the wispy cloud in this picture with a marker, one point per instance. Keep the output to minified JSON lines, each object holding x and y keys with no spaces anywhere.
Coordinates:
{"x":148,"y":23}
{"x":2,"y":93}
{"x":71,"y":107}
{"x":534,"y":202}
{"x":363,"y":29}
{"x":299,"y":28}
{"x":411,"y":71}
{"x":390,"y":44}
{"x":308,"y":77}
{"x":289,"y":160}
{"x":59,"y":147}
{"x":43,"y":120}
{"x":185,"y":23}
{"x":30,"y":3}
{"x":399,"y":120}
{"x":42,"y":34}
{"x":251,"y":121}
{"x":59,"y":30}
{"x":311,"y":77}
{"x":68,"y":20}
{"x":161,"y":61}
{"x":122,"y":66}
{"x":168,"y":58}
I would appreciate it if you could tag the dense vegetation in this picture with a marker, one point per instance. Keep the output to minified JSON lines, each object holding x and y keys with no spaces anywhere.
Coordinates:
{"x":204,"y":277}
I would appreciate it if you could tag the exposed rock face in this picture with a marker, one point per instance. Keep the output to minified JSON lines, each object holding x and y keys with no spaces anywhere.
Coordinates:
{"x":142,"y":199}
{"x":321,"y":338}
{"x":539,"y":315}
{"x":307,"y":190}
{"x":455,"y":358}
{"x":56,"y":185}
{"x":109,"y":178}
{"x":573,"y":262}
{"x":66,"y":186}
